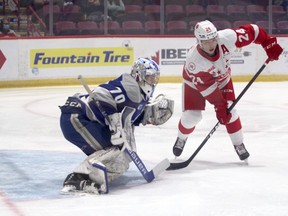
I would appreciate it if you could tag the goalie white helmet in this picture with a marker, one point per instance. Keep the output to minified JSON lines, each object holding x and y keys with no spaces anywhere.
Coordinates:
{"x":146,"y":72}
{"x":205,"y":30}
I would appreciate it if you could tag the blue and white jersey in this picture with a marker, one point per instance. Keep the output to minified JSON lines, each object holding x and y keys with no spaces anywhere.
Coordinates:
{"x":114,"y":95}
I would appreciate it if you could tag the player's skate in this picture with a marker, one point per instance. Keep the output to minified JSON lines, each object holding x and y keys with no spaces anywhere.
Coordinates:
{"x":179,"y":146}
{"x":241,"y":151}
{"x":76,"y":182}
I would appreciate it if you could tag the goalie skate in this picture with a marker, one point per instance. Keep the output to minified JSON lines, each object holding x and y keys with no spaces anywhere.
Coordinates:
{"x":80,"y":184}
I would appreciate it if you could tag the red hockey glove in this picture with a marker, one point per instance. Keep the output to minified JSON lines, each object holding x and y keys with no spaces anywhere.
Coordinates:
{"x":272,"y":48}
{"x":221,"y":113}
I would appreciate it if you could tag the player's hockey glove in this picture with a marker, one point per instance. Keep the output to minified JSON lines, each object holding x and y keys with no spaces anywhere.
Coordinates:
{"x":272,"y":48}
{"x":116,"y":129}
{"x":221,"y":113}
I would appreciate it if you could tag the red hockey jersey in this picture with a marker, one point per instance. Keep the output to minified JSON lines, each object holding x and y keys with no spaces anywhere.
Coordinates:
{"x":210,"y":74}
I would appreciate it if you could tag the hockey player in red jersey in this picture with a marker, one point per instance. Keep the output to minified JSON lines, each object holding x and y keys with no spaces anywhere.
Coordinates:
{"x":207,"y":76}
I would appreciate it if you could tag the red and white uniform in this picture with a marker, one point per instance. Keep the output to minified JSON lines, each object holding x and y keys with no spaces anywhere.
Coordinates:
{"x":209,"y":78}
{"x":207,"y":75}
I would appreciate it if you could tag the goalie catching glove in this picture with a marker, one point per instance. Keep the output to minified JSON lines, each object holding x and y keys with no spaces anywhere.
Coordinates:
{"x":158,"y":111}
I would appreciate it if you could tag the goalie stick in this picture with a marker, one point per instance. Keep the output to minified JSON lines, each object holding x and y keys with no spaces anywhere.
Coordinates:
{"x":180,"y":165}
{"x":149,"y":176}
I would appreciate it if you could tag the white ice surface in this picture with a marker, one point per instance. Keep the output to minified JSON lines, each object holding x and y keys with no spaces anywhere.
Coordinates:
{"x":35,"y":159}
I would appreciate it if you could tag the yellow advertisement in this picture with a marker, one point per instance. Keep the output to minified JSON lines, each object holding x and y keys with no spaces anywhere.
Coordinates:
{"x":81,"y":57}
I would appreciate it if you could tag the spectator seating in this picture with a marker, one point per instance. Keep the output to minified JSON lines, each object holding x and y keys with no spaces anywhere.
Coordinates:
{"x":152,"y":12}
{"x":145,"y":18}
{"x":242,"y":2}
{"x":113,"y":27}
{"x":132,"y":27}
{"x":216,"y":12}
{"x":134,"y":12}
{"x":136,"y":2}
{"x":89,"y":28}
{"x":264,"y":3}
{"x":174,"y":12}
{"x":221,"y":2}
{"x":282,"y":27}
{"x":265,"y":25}
{"x":81,"y":3}
{"x":278,"y":13}
{"x":195,"y":12}
{"x":152,"y":27}
{"x":57,"y":13}
{"x":236,"y":12}
{"x":256,"y":12}
{"x":238,"y":23}
{"x":177,"y":27}
{"x":133,"y":8}
{"x":66,"y":28}
{"x":72,"y":13}
{"x":180,"y":2}
{"x":222,"y":24}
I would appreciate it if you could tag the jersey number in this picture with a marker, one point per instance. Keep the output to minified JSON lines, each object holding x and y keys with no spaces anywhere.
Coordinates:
{"x":120,"y":98}
{"x":243,"y":35}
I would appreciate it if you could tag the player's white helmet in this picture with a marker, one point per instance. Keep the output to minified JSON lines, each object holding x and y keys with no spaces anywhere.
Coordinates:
{"x":146,"y":72}
{"x":205,"y":30}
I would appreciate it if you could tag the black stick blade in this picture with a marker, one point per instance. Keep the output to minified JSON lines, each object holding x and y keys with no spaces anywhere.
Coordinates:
{"x":180,"y":165}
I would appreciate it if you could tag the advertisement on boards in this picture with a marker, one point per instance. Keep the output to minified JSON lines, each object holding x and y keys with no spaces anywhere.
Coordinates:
{"x":105,"y":57}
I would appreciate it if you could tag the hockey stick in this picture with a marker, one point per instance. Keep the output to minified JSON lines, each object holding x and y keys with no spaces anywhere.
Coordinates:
{"x":175,"y":166}
{"x":148,"y":175}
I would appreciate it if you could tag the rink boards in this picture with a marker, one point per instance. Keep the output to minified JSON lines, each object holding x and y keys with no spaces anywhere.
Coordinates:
{"x":58,"y":61}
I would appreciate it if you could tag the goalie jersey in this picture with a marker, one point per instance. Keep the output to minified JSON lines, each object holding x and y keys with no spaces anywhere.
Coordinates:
{"x":113,"y":96}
